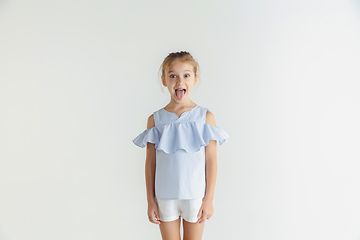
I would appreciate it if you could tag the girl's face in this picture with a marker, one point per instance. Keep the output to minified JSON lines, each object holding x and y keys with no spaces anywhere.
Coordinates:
{"x":180,"y":75}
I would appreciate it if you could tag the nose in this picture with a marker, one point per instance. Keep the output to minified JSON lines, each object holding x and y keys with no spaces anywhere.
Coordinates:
{"x":180,"y":80}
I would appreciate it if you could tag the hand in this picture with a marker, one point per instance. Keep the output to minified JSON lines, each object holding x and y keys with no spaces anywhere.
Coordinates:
{"x":206,"y":210}
{"x":153,"y":212}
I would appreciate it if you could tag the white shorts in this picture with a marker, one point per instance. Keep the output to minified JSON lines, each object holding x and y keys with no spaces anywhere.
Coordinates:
{"x":170,"y":210}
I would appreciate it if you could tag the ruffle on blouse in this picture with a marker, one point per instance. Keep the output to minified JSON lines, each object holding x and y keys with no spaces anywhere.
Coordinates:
{"x":183,"y":135}
{"x":149,"y":135}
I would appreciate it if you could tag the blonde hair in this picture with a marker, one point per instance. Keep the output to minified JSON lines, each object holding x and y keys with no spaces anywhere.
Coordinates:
{"x":182,"y":56}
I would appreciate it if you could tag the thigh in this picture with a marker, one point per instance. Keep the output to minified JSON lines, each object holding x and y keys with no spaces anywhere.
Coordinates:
{"x":170,"y":230}
{"x":193,"y":231}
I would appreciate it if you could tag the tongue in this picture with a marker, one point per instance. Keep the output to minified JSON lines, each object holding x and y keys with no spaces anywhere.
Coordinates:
{"x":180,"y":94}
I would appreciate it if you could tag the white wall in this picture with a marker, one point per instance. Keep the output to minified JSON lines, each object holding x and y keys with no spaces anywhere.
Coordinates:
{"x":78,"y":80}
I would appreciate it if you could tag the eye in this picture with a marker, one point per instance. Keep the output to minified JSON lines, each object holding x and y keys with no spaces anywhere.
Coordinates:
{"x":187,"y":75}
{"x":172,"y":76}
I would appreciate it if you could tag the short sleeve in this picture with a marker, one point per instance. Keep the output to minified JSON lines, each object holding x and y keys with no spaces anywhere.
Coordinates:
{"x":149,"y":135}
{"x":214,"y":133}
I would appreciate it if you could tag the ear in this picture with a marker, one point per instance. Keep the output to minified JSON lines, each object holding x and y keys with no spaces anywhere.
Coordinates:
{"x":163,"y":81}
{"x":196,"y":79}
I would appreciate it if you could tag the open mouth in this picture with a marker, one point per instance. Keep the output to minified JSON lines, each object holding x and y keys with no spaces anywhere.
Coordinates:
{"x":180,"y":93}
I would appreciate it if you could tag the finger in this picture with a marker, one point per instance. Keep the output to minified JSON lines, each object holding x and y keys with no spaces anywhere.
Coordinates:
{"x":202,"y":219}
{"x":157,"y":216}
{"x":156,"y":219}
{"x":200,"y":213}
{"x":152,"y":219}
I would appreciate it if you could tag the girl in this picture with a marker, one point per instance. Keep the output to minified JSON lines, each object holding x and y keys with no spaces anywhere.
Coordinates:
{"x":180,"y":168}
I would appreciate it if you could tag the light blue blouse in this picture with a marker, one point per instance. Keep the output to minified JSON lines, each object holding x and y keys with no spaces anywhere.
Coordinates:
{"x":180,"y":152}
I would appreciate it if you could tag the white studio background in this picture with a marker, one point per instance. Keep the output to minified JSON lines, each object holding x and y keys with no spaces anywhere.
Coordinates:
{"x":78,"y":80}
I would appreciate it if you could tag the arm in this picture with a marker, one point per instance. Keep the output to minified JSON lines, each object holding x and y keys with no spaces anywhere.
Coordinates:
{"x":150,"y":165}
{"x":207,"y":209}
{"x":150,"y":168}
{"x":210,"y":161}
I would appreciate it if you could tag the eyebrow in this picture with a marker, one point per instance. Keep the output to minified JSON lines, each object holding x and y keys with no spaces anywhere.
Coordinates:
{"x":184,"y":71}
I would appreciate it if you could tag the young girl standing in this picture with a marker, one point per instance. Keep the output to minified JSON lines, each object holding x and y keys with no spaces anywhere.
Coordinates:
{"x":180,"y":168}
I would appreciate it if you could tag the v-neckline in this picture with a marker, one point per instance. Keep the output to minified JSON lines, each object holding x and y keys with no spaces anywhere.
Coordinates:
{"x":181,"y":113}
